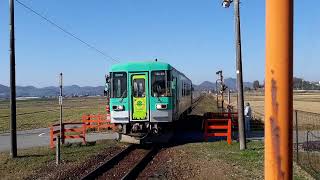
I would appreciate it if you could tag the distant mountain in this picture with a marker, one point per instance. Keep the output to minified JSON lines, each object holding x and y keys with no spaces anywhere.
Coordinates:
{"x":51,"y":91}
{"x":230,"y":82}
{"x":206,"y":85}
{"x":4,"y":91}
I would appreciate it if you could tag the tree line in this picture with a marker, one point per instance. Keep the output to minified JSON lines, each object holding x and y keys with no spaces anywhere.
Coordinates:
{"x":298,"y":84}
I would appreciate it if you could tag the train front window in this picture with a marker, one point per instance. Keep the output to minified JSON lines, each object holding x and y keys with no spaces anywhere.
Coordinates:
{"x":119,"y":85}
{"x":161,"y":83}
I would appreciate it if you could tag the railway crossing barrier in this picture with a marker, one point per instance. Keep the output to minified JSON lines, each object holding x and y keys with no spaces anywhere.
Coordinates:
{"x":220,"y":124}
{"x":97,"y":122}
{"x":70,"y":131}
{"x":218,"y":128}
{"x":221,"y":115}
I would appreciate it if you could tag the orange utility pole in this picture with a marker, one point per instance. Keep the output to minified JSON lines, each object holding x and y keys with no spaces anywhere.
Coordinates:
{"x":278,"y":89}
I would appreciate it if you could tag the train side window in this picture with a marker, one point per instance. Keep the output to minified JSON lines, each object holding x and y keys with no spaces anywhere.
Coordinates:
{"x":182,"y":88}
{"x":188,"y":90}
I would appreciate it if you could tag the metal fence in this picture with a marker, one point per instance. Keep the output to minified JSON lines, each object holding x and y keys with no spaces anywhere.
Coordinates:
{"x":306,"y":141}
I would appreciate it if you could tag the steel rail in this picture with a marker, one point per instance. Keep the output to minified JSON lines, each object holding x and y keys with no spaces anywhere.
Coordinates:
{"x":109,"y":164}
{"x":139,"y":166}
{"x":197,"y":101}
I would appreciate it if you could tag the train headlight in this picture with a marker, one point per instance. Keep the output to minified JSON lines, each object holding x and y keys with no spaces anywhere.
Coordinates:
{"x":118,"y":108}
{"x":161,"y":106}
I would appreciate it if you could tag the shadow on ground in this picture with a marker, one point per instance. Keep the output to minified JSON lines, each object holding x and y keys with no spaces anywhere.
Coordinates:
{"x":190,"y":130}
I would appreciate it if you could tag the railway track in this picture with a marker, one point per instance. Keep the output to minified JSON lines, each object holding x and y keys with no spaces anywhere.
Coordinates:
{"x":127,"y":164}
{"x":196,"y":101}
{"x":130,"y":162}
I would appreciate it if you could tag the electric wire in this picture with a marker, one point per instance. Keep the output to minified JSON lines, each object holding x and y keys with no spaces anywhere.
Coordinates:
{"x":67,"y":32}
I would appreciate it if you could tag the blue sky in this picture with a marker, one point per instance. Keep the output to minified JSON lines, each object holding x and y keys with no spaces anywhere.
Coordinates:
{"x":197,"y":37}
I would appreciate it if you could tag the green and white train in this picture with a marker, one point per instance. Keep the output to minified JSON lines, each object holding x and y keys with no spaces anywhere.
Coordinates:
{"x":147,"y":97}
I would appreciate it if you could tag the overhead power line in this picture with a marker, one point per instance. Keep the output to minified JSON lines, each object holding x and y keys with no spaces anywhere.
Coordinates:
{"x":67,"y":32}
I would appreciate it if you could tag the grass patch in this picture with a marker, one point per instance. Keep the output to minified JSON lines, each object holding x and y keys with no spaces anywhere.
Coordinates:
{"x":251,"y":158}
{"x":250,"y":162}
{"x":310,"y":162}
{"x":36,"y":160}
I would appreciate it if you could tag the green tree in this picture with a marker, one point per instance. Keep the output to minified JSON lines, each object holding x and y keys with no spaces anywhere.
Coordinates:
{"x":256,"y":84}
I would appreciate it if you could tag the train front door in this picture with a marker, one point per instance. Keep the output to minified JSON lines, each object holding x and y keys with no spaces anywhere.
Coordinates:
{"x":140,"y":96}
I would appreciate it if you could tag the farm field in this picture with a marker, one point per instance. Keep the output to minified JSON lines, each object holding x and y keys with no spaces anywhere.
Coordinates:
{"x":309,"y":102}
{"x":44,"y":112}
{"x":206,"y":160}
{"x":39,"y":113}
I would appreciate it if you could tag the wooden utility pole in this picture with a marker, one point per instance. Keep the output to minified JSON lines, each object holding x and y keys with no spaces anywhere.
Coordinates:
{"x":60,"y":104}
{"x":242,"y":134}
{"x":13,"y":122}
{"x":229,"y":99}
{"x":278,"y":89}
{"x":240,"y":103}
{"x":58,"y":150}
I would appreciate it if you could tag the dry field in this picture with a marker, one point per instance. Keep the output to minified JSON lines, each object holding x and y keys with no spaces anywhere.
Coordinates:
{"x":309,"y":102}
{"x":40,"y":113}
{"x":209,"y":160}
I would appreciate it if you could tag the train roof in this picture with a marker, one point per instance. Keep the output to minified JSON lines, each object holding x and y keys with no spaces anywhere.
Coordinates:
{"x":138,"y":66}
{"x":143,"y":66}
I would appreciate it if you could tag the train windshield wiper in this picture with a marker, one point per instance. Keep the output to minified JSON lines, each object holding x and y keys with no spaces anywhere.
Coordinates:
{"x":122,"y":96}
{"x":157,"y":96}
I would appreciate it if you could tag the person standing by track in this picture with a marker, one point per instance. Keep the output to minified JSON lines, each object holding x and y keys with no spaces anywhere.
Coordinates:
{"x":247,"y":114}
